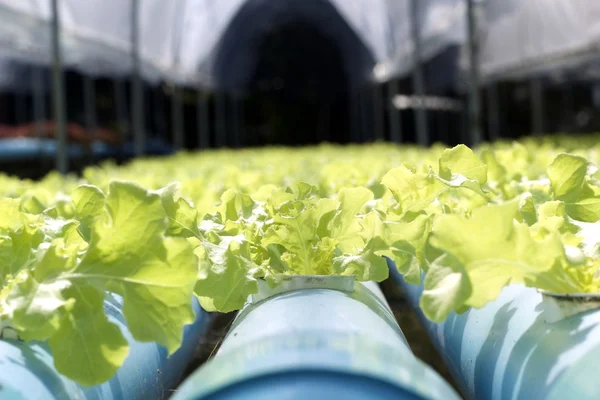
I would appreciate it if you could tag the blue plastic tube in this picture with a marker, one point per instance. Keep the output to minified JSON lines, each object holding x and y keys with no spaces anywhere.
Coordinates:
{"x":507,"y":350}
{"x":319,"y":338}
{"x":27,"y":371}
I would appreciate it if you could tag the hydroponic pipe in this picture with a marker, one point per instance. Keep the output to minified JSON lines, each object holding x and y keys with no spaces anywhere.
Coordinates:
{"x":509,"y":349}
{"x":27,"y":371}
{"x":315,"y":338}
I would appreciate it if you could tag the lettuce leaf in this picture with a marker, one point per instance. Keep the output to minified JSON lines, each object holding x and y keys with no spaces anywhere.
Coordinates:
{"x":54,"y":288}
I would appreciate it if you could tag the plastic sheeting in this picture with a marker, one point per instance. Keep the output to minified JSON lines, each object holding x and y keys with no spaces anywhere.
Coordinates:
{"x":206,"y":23}
{"x":442,"y":24}
{"x":95,"y":34}
{"x":534,"y":37}
{"x":181,"y":39}
{"x":383,"y":27}
{"x":234,"y":55}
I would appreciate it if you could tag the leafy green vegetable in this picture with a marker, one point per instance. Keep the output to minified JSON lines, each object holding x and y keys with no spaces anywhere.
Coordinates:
{"x":492,"y":249}
{"x":446,"y":288}
{"x":60,"y":269}
{"x":159,"y":231}
{"x":506,"y":232}
{"x":291,"y":231}
{"x":568,"y":175}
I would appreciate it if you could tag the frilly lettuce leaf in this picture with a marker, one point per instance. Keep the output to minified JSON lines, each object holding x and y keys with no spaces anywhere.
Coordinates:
{"x":291,"y":231}
{"x":568,"y":178}
{"x":227,"y":275}
{"x":490,"y":250}
{"x":53,"y":289}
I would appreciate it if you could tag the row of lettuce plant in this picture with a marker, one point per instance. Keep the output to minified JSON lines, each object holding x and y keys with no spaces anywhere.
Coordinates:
{"x":472,"y":222}
{"x":471,"y":235}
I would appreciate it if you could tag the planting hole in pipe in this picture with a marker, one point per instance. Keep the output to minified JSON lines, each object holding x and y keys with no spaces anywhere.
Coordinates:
{"x":558,"y":306}
{"x":288,"y":283}
{"x":9,"y":333}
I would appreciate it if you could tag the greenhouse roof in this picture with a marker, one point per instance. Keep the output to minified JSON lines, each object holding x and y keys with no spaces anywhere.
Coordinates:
{"x":194,"y":41}
{"x":538,"y":37}
{"x":213,"y":43}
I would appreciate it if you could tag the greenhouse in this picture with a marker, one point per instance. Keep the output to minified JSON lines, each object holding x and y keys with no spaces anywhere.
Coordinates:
{"x":284,"y":199}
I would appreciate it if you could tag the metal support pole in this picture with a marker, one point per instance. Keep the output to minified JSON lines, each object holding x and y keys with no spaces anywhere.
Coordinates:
{"x":364,"y":124}
{"x":221,"y":115}
{"x":417,"y":76}
{"x":444,"y":126}
{"x":394,"y":114}
{"x":493,"y":112}
{"x":353,"y":112}
{"x":236,"y":120}
{"x":177,"y":119}
{"x":158,"y":107}
{"x":568,"y":109}
{"x":20,"y":108}
{"x":359,"y":117}
{"x":39,"y":104}
{"x":58,"y":91}
{"x":364,"y":116}
{"x":474,"y":98}
{"x":89,"y":98}
{"x":464,"y":125}
{"x":242,"y":122}
{"x":537,"y":106}
{"x":121,"y":108}
{"x":378,"y":114}
{"x":434,"y":126}
{"x":203,"y":123}
{"x":137,"y":95}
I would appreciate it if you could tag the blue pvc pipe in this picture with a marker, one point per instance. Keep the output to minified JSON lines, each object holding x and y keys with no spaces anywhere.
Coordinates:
{"x":506,"y":350}
{"x":27,"y":371}
{"x":316,"y":343}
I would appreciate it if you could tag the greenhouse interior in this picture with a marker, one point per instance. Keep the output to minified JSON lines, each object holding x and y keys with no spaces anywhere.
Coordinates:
{"x":299,"y":199}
